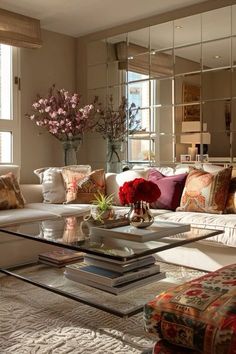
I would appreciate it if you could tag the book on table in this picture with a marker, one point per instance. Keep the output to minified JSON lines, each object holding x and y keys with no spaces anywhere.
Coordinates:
{"x":156,"y":231}
{"x":119,"y":289}
{"x":60,"y":257}
{"x":117,"y":266}
{"x":109,"y":277}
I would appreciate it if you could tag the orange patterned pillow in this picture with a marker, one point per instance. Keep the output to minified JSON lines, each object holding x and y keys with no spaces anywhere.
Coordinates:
{"x":10,"y":193}
{"x":81,"y":188}
{"x":206,"y":192}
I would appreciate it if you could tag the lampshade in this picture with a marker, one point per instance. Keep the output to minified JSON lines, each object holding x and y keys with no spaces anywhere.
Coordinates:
{"x":196,"y":138}
{"x":193,"y":126}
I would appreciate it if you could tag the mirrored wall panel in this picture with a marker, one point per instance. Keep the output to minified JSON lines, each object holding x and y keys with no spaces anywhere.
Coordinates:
{"x":181,"y":75}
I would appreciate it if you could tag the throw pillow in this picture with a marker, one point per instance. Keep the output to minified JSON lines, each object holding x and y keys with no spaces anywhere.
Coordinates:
{"x":206,"y":192}
{"x":231,"y":199}
{"x":80,"y":188}
{"x":171,"y":188}
{"x":199,"y":315}
{"x":53,"y":187}
{"x":10,"y":193}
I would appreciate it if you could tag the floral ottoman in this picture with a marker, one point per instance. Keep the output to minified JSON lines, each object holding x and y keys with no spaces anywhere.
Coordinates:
{"x":199,"y":315}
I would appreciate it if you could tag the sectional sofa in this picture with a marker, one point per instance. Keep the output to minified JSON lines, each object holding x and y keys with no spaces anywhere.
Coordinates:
{"x":208,"y":254}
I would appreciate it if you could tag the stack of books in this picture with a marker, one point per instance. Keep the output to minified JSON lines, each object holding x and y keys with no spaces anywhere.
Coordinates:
{"x":114,"y":276}
{"x":59,"y":258}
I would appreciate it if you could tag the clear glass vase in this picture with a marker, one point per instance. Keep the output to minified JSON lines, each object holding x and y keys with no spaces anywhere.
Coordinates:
{"x":71,"y":148}
{"x":114,"y":151}
{"x":140,"y":215}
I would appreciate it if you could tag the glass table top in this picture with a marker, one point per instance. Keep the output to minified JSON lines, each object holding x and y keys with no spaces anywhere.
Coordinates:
{"x":66,"y":232}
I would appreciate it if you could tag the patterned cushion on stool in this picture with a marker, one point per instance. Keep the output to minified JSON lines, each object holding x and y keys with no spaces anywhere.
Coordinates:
{"x":163,"y":347}
{"x":199,"y":315}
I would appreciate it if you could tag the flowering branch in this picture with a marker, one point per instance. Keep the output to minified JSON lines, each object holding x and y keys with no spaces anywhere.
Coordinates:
{"x":60,"y":113}
{"x":114,"y":125}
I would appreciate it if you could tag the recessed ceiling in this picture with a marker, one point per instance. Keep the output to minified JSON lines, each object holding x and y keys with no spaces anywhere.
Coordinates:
{"x":80,"y":17}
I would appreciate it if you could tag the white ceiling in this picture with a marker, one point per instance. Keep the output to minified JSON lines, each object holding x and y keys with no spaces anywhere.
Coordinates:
{"x":80,"y":17}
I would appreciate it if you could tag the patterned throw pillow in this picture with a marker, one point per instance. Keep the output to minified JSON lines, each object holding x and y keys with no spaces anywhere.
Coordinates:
{"x":171,"y":188}
{"x":53,"y":187}
{"x":206,"y":192}
{"x":80,"y":188}
{"x":231,"y":200}
{"x":199,"y":315}
{"x":10,"y":193}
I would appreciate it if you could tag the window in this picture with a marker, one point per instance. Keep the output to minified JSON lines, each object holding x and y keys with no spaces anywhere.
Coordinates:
{"x":140,"y":147}
{"x":9,"y":105}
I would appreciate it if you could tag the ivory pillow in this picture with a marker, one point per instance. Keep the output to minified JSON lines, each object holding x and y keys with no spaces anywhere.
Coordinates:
{"x":53,"y":184}
{"x":10,"y":193}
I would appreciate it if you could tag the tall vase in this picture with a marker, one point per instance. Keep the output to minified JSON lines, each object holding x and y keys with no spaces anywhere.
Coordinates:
{"x":140,"y":215}
{"x":71,"y":148}
{"x":114,"y":150}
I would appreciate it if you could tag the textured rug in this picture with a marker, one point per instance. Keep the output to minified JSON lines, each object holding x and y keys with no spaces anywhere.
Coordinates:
{"x":34,"y":321}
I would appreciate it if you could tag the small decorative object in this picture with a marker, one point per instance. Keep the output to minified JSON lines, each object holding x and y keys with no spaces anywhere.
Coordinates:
{"x":102,"y":208}
{"x":114,"y":125}
{"x":139,"y":193}
{"x":62,"y":115}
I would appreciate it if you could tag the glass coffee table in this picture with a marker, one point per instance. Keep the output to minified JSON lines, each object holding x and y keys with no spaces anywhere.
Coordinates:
{"x":66,"y":233}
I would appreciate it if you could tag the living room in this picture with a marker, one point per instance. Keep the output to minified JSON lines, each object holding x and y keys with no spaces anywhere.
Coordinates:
{"x":175,"y":63}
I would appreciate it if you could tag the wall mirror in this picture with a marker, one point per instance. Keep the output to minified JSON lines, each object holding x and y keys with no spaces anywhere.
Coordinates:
{"x":182,"y":75}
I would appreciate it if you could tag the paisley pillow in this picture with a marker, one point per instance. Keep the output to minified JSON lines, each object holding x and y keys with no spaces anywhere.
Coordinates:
{"x":81,"y":188}
{"x":10,"y":193}
{"x":206,"y":192}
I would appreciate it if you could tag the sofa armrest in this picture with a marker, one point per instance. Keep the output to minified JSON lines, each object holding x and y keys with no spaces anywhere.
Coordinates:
{"x":32,"y":193}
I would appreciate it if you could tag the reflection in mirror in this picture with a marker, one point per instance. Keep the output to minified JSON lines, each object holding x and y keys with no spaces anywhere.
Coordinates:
{"x":216,"y":24}
{"x":139,"y":41}
{"x":216,"y":54}
{"x":187,"y":89}
{"x":187,"y":30}
{"x":175,"y":79}
{"x":161,"y":63}
{"x":216,"y":84}
{"x":162,"y":92}
{"x":188,"y":59}
{"x":139,"y":64}
{"x":161,"y":36}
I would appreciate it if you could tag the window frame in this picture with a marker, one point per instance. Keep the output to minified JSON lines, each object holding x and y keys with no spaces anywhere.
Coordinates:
{"x":12,"y":125}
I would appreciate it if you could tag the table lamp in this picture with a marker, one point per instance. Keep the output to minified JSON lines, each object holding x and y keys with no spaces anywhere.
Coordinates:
{"x":194,"y":136}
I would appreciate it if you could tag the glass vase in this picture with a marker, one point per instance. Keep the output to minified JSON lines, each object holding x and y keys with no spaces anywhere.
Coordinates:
{"x":71,"y":148}
{"x":140,"y":215}
{"x":114,"y":150}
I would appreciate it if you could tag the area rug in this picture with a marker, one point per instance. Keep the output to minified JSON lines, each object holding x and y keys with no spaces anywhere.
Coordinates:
{"x":35,"y":321}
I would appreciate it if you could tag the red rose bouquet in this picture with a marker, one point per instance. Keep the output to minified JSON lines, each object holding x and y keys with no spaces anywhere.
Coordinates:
{"x":138,"y":190}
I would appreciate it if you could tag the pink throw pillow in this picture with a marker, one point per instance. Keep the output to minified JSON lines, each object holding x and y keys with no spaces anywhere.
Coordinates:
{"x":171,"y":188}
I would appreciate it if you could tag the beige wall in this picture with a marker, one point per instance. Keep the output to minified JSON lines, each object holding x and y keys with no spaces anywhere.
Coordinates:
{"x":54,"y":63}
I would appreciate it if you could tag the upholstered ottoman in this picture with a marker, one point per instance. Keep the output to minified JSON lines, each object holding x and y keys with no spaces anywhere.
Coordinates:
{"x":199,"y":315}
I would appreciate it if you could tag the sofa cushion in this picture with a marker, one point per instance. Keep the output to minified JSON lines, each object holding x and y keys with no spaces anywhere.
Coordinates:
{"x":206,"y":192}
{"x":199,"y":315}
{"x":61,"y":210}
{"x":81,"y":188}
{"x":226,"y":223}
{"x":53,"y":184}
{"x":10,"y":193}
{"x":17,"y":216}
{"x":171,"y":188}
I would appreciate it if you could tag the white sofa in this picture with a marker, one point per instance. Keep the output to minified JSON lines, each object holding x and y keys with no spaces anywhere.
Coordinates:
{"x":208,"y":254}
